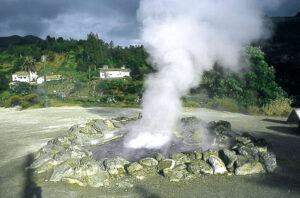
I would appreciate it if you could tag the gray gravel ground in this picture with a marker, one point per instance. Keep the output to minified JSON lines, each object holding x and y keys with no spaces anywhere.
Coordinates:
{"x":24,"y":132}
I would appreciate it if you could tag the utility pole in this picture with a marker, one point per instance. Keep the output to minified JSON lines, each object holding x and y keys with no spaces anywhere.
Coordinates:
{"x":46,"y":101}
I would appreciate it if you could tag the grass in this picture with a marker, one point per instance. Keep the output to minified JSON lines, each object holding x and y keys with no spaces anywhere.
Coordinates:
{"x":278,"y":107}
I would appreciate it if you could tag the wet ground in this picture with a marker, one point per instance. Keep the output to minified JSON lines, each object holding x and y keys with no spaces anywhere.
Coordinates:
{"x":24,"y":132}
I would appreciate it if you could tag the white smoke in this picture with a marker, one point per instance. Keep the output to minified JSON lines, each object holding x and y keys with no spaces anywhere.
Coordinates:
{"x":184,"y":38}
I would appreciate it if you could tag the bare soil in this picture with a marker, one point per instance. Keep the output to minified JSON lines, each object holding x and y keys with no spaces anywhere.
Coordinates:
{"x":24,"y":132}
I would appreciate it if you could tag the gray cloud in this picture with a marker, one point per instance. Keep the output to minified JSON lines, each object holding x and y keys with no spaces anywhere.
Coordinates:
{"x":111,"y":19}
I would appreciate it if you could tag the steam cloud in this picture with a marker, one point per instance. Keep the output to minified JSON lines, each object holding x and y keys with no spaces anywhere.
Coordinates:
{"x":184,"y":38}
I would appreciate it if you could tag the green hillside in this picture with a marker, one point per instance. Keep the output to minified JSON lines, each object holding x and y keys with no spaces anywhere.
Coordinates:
{"x":78,"y":62}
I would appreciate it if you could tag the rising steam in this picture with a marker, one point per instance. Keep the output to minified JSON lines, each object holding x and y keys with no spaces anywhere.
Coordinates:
{"x":184,"y":38}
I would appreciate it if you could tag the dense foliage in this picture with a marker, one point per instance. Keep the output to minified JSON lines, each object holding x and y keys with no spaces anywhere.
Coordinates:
{"x":78,"y":62}
{"x":252,"y":86}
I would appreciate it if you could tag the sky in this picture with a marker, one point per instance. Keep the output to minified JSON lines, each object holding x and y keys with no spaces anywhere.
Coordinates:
{"x":111,"y":19}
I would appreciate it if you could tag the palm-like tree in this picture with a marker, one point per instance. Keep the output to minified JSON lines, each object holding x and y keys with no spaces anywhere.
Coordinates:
{"x":29,"y":64}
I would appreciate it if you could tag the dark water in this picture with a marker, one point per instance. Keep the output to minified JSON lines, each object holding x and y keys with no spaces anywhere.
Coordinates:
{"x":116,"y":148}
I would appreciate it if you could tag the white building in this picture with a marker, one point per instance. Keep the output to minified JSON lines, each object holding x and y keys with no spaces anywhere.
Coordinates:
{"x":40,"y":80}
{"x":23,"y":76}
{"x":109,"y":73}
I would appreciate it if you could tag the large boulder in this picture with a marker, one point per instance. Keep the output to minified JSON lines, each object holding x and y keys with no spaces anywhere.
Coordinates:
{"x":134,"y":167}
{"x":91,"y":172}
{"x":177,"y":173}
{"x":83,"y":134}
{"x":115,"y":166}
{"x":208,"y":153}
{"x":217,"y":165}
{"x":250,"y":168}
{"x":180,"y":158}
{"x":199,"y":166}
{"x":241,"y":160}
{"x":228,"y":157}
{"x":269,"y":161}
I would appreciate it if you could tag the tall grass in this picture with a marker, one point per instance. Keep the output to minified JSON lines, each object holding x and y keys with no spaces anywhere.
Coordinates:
{"x":278,"y":107}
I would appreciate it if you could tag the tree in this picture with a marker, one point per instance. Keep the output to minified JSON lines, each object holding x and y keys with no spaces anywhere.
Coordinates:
{"x":28,"y":64}
{"x":3,"y":82}
{"x":93,"y":51}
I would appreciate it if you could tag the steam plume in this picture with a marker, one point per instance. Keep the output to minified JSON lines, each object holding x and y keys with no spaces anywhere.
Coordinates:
{"x":184,"y":38}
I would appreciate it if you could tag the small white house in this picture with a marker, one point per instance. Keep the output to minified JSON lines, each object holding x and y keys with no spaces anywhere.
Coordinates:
{"x":23,"y":76}
{"x":40,"y":80}
{"x":109,"y":73}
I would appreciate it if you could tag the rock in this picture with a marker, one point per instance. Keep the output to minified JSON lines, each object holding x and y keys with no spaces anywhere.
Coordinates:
{"x":42,"y":159}
{"x":217,"y":165}
{"x":269,"y":161}
{"x":249,"y":152}
{"x":60,"y":171}
{"x":61,"y":141}
{"x":243,"y":140}
{"x":148,"y":161}
{"x":252,"y":152}
{"x":241,"y":160}
{"x":49,"y":148}
{"x":228,"y":157}
{"x":199,"y":166}
{"x":180,"y":158}
{"x":88,"y":166}
{"x":134,"y":167}
{"x":159,"y":156}
{"x":101,"y":126}
{"x":166,"y":164}
{"x":90,"y":172}
{"x":115,"y":166}
{"x":72,"y":152}
{"x":176,"y":174}
{"x":75,"y":181}
{"x":208,"y":153}
{"x":48,"y":166}
{"x":190,"y":155}
{"x":250,"y":168}
{"x":219,"y":127}
{"x":198,"y":153}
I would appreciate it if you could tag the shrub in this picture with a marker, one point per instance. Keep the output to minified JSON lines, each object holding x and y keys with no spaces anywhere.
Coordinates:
{"x":253,"y":110}
{"x":21,"y":88}
{"x":190,"y":103}
{"x":278,"y":107}
{"x":14,"y":101}
{"x":29,"y":100}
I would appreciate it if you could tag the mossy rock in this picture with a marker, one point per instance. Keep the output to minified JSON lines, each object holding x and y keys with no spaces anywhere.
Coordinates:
{"x":177,"y":173}
{"x":198,"y":153}
{"x":208,"y":153}
{"x":148,"y":161}
{"x":166,"y":164}
{"x":228,"y":157}
{"x":134,"y":167}
{"x":159,"y":156}
{"x":250,"y":168}
{"x":241,"y":160}
{"x":199,"y":167}
{"x":180,"y":158}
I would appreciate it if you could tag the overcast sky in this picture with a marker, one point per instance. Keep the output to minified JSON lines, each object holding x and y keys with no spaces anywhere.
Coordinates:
{"x":111,"y":19}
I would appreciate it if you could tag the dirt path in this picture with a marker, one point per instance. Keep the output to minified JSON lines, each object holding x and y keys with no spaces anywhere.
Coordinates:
{"x":24,"y":132}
